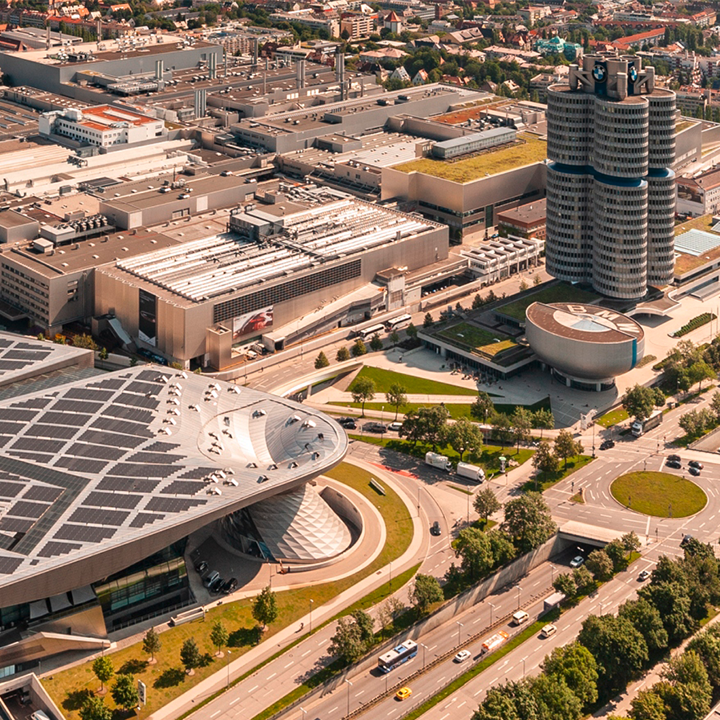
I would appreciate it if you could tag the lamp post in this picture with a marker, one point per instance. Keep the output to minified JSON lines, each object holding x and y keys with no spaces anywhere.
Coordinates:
{"x":519,"y":589}
{"x":382,"y":423}
{"x":228,"y":669}
{"x":424,"y":647}
{"x":492,"y":608}
{"x":349,"y":685}
{"x":460,"y":625}
{"x":311,"y":607}
{"x":523,"y":668}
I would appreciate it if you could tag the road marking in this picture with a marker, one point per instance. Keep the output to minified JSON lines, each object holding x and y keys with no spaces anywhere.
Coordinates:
{"x":254,"y":687}
{"x":476,"y":621}
{"x":232,"y":702}
{"x":464,"y":702}
{"x":292,"y":662}
{"x":358,"y":694}
{"x":217,"y":712}
{"x":432,"y":648}
{"x":306,"y":653}
{"x":270,"y":677}
{"x":334,"y":709}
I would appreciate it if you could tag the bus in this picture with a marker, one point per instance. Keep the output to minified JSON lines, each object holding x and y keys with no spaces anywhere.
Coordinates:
{"x":398,"y":323}
{"x":369,"y":332}
{"x":397,"y":656}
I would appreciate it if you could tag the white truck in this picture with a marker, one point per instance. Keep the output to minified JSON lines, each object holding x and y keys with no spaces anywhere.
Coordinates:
{"x":473,"y":472}
{"x":642,"y":426}
{"x":441,"y":462}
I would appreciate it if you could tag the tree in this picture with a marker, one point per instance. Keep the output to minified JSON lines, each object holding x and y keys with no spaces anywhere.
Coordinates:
{"x":600,"y":565}
{"x":486,"y":503}
{"x":545,"y":460}
{"x":464,"y":435}
{"x":103,"y":355}
{"x":528,"y":521}
{"x":555,"y":699}
{"x":521,"y":421}
{"x":566,"y":446}
{"x":425,"y":591}
{"x":639,"y":401}
{"x":264,"y":608}
{"x":190,"y":655}
{"x":358,"y":348}
{"x":362,"y":390}
{"x":565,"y":584}
{"x":648,"y":705}
{"x":396,"y":396}
{"x":631,"y":542}
{"x":412,"y":331}
{"x":426,"y":424}
{"x":707,"y":646}
{"x":347,"y":642}
{"x":428,"y":321}
{"x":477,"y":302}
{"x":151,"y":643}
{"x":687,"y":692}
{"x":536,"y":280}
{"x":502,"y":429}
{"x":674,"y":604}
{"x":94,"y":708}
{"x":619,"y":649}
{"x":321,"y":361}
{"x":219,"y":636}
{"x":103,"y":669}
{"x":583,"y":579}
{"x":394,"y":337}
{"x":543,"y":419}
{"x":646,"y":619}
{"x":125,"y":693}
{"x":512,"y":701}
{"x":501,"y":546}
{"x":483,"y":407}
{"x":473,"y":547}
{"x":376,"y":344}
{"x":85,"y":341}
{"x":342,"y":355}
{"x":700,"y":371}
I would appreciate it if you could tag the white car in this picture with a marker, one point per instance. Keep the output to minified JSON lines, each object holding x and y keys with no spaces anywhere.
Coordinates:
{"x":462,"y":655}
{"x":548,"y":630}
{"x":577,"y":561}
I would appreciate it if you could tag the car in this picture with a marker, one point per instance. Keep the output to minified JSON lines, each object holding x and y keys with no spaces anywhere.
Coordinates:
{"x":577,"y":561}
{"x":403,"y":693}
{"x":211,"y":578}
{"x":694,"y":471}
{"x":643,"y":576}
{"x":674,"y":457}
{"x":348,"y":423}
{"x":674,"y":464}
{"x":548,"y":630}
{"x":375,"y":427}
{"x":607,"y":444}
{"x":201,"y":567}
{"x":696,"y":464}
{"x":216,"y":585}
{"x":435,"y":528}
{"x":462,"y":656}
{"x":686,"y":540}
{"x":229,"y":586}
{"x":395,"y":426}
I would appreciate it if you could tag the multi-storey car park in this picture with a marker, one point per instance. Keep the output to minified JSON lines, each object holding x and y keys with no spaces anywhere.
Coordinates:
{"x":102,"y":479}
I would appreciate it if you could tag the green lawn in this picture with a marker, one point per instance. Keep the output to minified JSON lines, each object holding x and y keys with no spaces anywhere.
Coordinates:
{"x":383,"y":379}
{"x":166,"y":680}
{"x":488,"y":459}
{"x":613,"y":417}
{"x":554,"y":294}
{"x":546,"y":480}
{"x":659,"y":494}
{"x":475,"y":338}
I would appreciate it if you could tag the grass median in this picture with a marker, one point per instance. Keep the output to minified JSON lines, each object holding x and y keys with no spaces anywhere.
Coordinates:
{"x":659,"y":494}
{"x":166,"y":680}
{"x":413,"y":385}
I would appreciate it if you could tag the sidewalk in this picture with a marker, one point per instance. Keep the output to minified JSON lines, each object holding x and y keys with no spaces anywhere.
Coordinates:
{"x":288,"y":635}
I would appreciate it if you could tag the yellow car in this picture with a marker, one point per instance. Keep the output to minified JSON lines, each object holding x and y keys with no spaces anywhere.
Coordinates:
{"x":403,"y":693}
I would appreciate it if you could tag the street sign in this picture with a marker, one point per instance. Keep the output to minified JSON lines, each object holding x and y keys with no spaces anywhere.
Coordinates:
{"x":142,"y":692}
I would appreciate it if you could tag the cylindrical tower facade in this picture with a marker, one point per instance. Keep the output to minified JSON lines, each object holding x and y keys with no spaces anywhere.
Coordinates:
{"x":570,"y":126}
{"x":620,"y":140}
{"x":619,"y":258}
{"x":661,"y":227}
{"x":661,"y":153}
{"x":569,"y":223}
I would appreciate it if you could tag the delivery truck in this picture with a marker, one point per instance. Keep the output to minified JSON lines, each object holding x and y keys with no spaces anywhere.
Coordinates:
{"x":441,"y":462}
{"x":473,"y":472}
{"x":639,"y":427}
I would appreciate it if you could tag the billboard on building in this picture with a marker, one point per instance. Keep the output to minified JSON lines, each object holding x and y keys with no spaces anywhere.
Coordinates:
{"x":147,"y":322}
{"x":252,"y":322}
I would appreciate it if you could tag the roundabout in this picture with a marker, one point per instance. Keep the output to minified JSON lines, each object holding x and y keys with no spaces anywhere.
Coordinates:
{"x":659,"y":494}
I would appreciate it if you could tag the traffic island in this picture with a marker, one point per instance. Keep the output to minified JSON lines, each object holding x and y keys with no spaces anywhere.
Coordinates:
{"x":659,"y":494}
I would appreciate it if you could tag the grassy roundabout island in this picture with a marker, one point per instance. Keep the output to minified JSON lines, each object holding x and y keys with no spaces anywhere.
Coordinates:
{"x":660,"y":494}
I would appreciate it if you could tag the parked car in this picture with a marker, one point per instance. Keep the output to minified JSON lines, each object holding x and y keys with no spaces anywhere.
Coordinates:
{"x":201,"y":567}
{"x":644,"y":575}
{"x":375,"y":427}
{"x":577,"y":561}
{"x":674,"y":457}
{"x":607,"y":444}
{"x":211,"y":578}
{"x":676,"y":464}
{"x":229,"y":586}
{"x":395,"y":426}
{"x":216,"y":585}
{"x":696,"y":464}
{"x":462,"y":655}
{"x":403,"y":693}
{"x":435,"y":528}
{"x":348,"y":423}
{"x":694,"y":471}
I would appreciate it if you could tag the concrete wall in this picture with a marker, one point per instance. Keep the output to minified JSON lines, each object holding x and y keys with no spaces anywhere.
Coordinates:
{"x":689,"y":142}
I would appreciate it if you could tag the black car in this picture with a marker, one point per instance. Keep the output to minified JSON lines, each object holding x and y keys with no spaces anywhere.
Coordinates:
{"x":686,"y":539}
{"x":696,"y":464}
{"x":674,"y":464}
{"x":201,"y":567}
{"x":215,"y":585}
{"x":348,"y":423}
{"x":607,"y":444}
{"x":435,"y":528}
{"x":673,"y":457}
{"x":375,"y":427}
{"x":693,"y":470}
{"x":229,"y":586}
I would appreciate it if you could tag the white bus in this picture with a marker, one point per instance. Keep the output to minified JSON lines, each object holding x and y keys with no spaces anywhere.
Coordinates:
{"x":398,"y":323}
{"x":369,"y":332}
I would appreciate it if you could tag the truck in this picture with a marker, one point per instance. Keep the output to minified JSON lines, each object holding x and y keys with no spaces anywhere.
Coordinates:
{"x":639,"y":427}
{"x":494,"y":642}
{"x":470,"y":471}
{"x":441,"y":462}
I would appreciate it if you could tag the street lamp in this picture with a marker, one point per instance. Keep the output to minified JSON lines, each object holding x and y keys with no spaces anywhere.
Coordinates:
{"x":519,"y":589}
{"x":460,"y":625}
{"x":552,"y":576}
{"x":492,"y":607}
{"x":523,"y":668}
{"x":311,"y":607}
{"x":349,"y":684}
{"x":424,"y":647}
{"x":228,"y":669}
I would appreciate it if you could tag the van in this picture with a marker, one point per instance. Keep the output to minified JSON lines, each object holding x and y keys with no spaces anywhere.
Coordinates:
{"x":548,"y":630}
{"x":39,"y":715}
{"x":519,"y":617}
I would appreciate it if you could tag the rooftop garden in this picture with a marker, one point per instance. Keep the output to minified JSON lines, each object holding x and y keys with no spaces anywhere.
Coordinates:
{"x":559,"y":293}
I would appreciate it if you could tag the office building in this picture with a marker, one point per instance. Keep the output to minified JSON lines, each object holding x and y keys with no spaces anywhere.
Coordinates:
{"x":610,"y":186}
